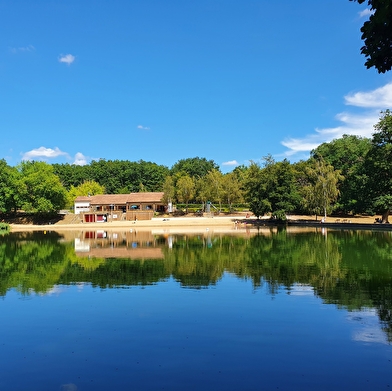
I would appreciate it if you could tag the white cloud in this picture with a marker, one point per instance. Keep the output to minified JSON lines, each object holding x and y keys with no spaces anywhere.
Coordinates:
{"x":143,"y":127}
{"x":230,"y":163}
{"x":29,"y":48}
{"x":42,"y":152}
{"x":80,"y":159}
{"x":67,"y":58}
{"x":361,"y":124}
{"x":366,"y":12}
{"x":380,"y":98}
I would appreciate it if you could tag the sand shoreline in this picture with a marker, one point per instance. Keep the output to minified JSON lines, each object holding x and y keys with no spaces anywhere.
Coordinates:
{"x":180,"y":222}
{"x":147,"y":224}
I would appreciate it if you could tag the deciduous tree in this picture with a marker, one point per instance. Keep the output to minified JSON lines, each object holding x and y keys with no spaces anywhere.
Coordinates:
{"x":347,"y":154}
{"x":40,"y":189}
{"x":87,"y":188}
{"x":232,"y":189}
{"x":9,"y":194}
{"x":185,"y":189}
{"x":379,"y":165}
{"x":322,"y":188}
{"x":377,"y":35}
{"x":194,"y":167}
{"x":272,"y":188}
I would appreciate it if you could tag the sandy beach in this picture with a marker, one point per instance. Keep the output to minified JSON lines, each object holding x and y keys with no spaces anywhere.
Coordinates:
{"x":185,"y":223}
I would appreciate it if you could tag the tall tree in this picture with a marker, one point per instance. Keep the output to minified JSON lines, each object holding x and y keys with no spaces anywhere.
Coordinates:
{"x":87,"y":188}
{"x":168,"y":190}
{"x":379,"y":165}
{"x":213,"y":183}
{"x":255,"y":191}
{"x":322,"y":188}
{"x":232,"y":189}
{"x":185,"y":189}
{"x":347,"y":154}
{"x":9,"y":194}
{"x":40,"y":189}
{"x":272,"y":188}
{"x":377,"y":35}
{"x":194,"y":167}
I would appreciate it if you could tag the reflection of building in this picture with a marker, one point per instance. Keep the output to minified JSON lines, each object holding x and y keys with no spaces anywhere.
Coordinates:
{"x":108,"y":244}
{"x":114,"y":207}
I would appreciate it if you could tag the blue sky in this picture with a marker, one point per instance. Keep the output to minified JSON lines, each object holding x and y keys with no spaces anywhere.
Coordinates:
{"x":164,"y":80}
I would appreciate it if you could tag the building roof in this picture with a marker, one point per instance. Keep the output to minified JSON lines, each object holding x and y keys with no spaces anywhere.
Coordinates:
{"x":146,"y":197}
{"x":108,"y":199}
{"x":116,"y":199}
{"x":83,"y":198}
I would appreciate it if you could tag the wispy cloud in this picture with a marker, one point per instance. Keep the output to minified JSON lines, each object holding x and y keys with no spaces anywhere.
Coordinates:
{"x":350,"y":123}
{"x":67,"y":58}
{"x":230,"y":163}
{"x":29,"y":48}
{"x":43,"y":153}
{"x":378,"y":98}
{"x":366,"y":12}
{"x":143,"y":127}
{"x":80,"y":159}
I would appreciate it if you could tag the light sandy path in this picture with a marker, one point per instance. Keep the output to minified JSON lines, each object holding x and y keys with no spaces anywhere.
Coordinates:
{"x":185,"y":223}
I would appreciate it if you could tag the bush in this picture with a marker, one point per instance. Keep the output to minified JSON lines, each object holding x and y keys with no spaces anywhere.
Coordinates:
{"x":4,"y":228}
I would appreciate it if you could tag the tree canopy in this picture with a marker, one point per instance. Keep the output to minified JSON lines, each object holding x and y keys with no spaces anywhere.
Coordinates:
{"x":377,"y":35}
{"x":194,"y":167}
{"x":40,"y":189}
{"x":272,"y":189}
{"x":347,"y":154}
{"x":378,"y":165}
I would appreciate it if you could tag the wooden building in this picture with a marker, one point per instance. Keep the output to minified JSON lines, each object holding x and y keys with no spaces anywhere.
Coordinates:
{"x":116,"y":207}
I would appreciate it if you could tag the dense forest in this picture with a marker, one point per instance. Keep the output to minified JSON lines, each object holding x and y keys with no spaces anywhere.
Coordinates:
{"x":349,"y":175}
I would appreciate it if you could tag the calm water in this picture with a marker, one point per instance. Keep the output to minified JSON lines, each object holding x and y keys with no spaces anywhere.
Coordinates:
{"x":268,"y":310}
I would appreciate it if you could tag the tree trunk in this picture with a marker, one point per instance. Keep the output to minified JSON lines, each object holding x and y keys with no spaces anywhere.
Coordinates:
{"x":385,"y":215}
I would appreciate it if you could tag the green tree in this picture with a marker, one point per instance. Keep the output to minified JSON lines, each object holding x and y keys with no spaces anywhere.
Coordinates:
{"x":232,"y":192}
{"x":272,"y":188}
{"x":9,"y":194}
{"x":213,"y":183}
{"x":194,"y":167}
{"x":87,"y":188}
{"x":255,"y":191}
{"x":378,"y":165}
{"x":185,"y":189}
{"x":71,"y":174}
{"x":119,"y":176}
{"x":377,"y":35}
{"x":322,"y":187}
{"x":168,"y":190}
{"x":347,"y":154}
{"x":40,"y":189}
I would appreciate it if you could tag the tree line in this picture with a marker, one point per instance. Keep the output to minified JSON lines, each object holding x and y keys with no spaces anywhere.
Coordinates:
{"x":349,"y":175}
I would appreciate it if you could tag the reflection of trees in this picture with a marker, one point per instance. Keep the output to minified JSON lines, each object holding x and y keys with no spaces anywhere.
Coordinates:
{"x":198,"y":261}
{"x":284,"y":259}
{"x":351,"y":269}
{"x":31,"y":261}
{"x":116,"y":272}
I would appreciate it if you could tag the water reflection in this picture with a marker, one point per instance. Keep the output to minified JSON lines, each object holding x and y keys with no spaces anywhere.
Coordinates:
{"x":351,"y":269}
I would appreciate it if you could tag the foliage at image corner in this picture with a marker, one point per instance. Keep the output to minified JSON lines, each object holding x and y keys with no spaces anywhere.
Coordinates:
{"x":377,"y":35}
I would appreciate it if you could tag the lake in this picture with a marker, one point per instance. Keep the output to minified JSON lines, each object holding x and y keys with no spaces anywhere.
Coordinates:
{"x":267,"y":309}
